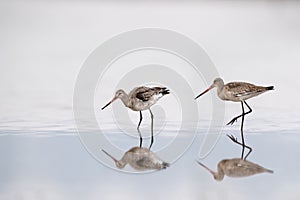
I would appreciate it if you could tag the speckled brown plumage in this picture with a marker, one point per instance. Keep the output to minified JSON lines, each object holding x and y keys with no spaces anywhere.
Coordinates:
{"x":236,"y":167}
{"x":139,"y":159}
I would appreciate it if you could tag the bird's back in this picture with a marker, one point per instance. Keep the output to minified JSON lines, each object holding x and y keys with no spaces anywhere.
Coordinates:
{"x":143,"y":98}
{"x":238,"y":91}
{"x":144,"y":159}
{"x":241,"y":168}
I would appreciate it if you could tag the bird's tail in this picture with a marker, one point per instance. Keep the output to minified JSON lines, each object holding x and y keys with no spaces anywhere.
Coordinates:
{"x":269,"y":171}
{"x":165,"y":165}
{"x":270,"y":88}
{"x":164,"y":91}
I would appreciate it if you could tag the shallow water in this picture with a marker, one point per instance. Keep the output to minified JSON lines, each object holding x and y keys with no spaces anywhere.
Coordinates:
{"x":59,"y":167}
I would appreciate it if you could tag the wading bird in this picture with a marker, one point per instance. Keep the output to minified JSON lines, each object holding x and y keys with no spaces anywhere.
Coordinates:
{"x":139,"y":159}
{"x":237,"y":92}
{"x":236,"y":167}
{"x":141,"y":98}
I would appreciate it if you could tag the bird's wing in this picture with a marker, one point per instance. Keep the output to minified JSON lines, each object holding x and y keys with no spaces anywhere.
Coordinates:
{"x":244,"y":168}
{"x":239,"y":89}
{"x":145,"y":162}
{"x":245,"y":165}
{"x":145,"y":93}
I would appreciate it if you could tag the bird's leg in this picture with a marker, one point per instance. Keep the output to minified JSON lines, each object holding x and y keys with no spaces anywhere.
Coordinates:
{"x":138,"y":129}
{"x":234,"y":139}
{"x":235,"y":119}
{"x":151,"y":129}
{"x":242,"y":131}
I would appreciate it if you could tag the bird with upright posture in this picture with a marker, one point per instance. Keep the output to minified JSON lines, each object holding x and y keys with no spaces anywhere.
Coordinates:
{"x":236,"y":167}
{"x":139,"y":158}
{"x":237,"y":92}
{"x":139,"y":99}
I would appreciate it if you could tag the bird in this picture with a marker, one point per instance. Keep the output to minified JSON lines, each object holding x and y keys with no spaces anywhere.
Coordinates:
{"x":139,"y":158}
{"x":237,"y":92}
{"x":236,"y":167}
{"x":139,"y":99}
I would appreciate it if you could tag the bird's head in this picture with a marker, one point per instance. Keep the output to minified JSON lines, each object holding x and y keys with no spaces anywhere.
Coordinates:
{"x":119,"y":163}
{"x":119,"y":94}
{"x":218,"y":82}
{"x":217,"y":176}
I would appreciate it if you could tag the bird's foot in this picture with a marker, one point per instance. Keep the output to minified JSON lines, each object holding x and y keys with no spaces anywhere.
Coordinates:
{"x":234,"y":139}
{"x":232,"y":121}
{"x":150,"y":146}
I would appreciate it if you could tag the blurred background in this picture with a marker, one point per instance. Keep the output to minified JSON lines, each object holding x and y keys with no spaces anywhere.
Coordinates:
{"x":43,"y":45}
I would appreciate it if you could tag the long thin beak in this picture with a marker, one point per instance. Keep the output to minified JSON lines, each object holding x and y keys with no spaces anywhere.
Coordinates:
{"x":109,"y":155}
{"x":109,"y":103}
{"x":210,"y":87}
{"x":211,"y":171}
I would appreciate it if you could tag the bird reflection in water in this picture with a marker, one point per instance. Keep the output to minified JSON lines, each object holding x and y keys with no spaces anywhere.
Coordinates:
{"x":236,"y":167}
{"x":140,"y":159}
{"x":234,"y":139}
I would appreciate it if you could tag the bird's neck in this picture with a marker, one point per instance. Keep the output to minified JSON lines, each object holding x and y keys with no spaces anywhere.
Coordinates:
{"x":220,"y":91}
{"x":220,"y":87}
{"x":220,"y":174}
{"x":125,"y":100}
{"x":121,"y":163}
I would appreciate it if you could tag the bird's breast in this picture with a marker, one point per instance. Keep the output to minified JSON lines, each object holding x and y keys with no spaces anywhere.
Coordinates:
{"x":138,"y":105}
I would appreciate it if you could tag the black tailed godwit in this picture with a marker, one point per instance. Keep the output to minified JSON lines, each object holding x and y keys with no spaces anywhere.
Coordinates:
{"x":139,"y":159}
{"x":141,"y":98}
{"x":237,"y":92}
{"x":236,"y":167}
